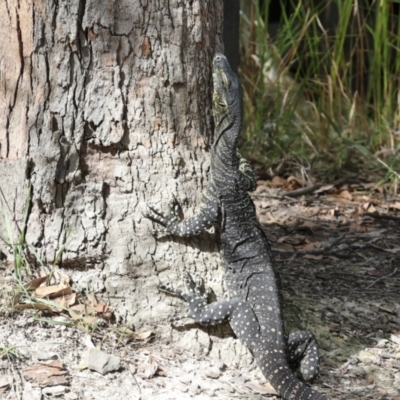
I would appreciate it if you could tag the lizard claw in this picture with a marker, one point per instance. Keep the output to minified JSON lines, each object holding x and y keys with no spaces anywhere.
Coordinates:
{"x":168,"y":220}
{"x":193,"y":296}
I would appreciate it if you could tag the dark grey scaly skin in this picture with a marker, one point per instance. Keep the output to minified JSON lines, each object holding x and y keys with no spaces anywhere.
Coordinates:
{"x":254,"y":308}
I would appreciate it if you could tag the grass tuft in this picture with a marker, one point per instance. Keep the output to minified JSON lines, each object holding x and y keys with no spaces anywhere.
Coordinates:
{"x":326,"y":85}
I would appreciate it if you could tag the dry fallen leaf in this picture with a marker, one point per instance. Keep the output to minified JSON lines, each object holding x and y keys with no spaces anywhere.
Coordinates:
{"x":32,"y":306}
{"x":35,"y":283}
{"x":345,"y":194}
{"x":90,"y":314}
{"x":294,"y":183}
{"x":88,"y":319}
{"x":278,"y":181}
{"x":127,"y":335}
{"x":308,"y":224}
{"x":47,"y":373}
{"x":75,"y":316}
{"x":283,"y":246}
{"x":264,"y":204}
{"x":92,"y":299}
{"x":292,"y":239}
{"x":395,"y":206}
{"x":101,"y":308}
{"x":84,"y":309}
{"x":325,"y":188}
{"x":67,"y":300}
{"x":334,"y":212}
{"x":52,"y":291}
{"x":369,"y":207}
{"x":311,"y":246}
{"x":314,"y":256}
{"x":150,"y":368}
{"x":261,"y":389}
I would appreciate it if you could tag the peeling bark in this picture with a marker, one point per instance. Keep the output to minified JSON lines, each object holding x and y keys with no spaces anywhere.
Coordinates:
{"x":106,"y":105}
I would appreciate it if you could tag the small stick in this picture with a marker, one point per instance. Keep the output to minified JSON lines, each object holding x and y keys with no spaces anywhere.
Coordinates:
{"x":305,"y":190}
{"x":382,"y":277}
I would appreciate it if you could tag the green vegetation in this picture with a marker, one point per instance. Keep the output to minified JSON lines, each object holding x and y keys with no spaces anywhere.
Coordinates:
{"x":17,"y":247}
{"x":9,"y":352}
{"x":330,"y":96}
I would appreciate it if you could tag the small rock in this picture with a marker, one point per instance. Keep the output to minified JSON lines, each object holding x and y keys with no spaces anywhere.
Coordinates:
{"x":31,"y":393}
{"x":194,"y":389}
{"x":396,"y":384}
{"x":382,"y":343}
{"x":46,"y":355}
{"x":61,"y":318}
{"x":71,"y":396}
{"x":54,"y":390}
{"x":210,"y":392}
{"x":87,"y":341}
{"x":369,"y":371}
{"x":183,"y":388}
{"x":226,"y":387}
{"x":220,"y":365}
{"x":97,"y":360}
{"x":22,"y":322}
{"x":186,"y":379}
{"x":357,"y":371}
{"x":213,"y":373}
{"x":395,"y":338}
{"x":385,"y":354}
{"x":6,"y":381}
{"x":367,"y":357}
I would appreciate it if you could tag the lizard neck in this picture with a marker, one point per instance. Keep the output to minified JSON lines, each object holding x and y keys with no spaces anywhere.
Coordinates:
{"x":227,"y":130}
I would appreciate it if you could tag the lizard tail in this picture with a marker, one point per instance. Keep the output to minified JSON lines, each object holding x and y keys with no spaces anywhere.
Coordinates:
{"x":285,"y":383}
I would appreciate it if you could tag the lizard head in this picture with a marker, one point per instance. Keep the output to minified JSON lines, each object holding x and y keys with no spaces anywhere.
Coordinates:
{"x":227,"y":96}
{"x":226,"y":85}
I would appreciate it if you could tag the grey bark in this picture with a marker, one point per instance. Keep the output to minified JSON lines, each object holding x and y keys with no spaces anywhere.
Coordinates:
{"x":105,"y":106}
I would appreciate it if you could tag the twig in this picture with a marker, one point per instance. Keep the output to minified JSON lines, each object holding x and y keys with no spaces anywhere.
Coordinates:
{"x":392,"y":251}
{"x":384,"y":216}
{"x":315,"y":251}
{"x":382,"y":277}
{"x":333,"y":221}
{"x":134,"y":377}
{"x":272,"y":196}
{"x":292,"y":193}
{"x":306,"y":190}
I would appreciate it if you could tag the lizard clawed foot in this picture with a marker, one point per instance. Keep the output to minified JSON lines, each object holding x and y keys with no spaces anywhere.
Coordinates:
{"x":193,"y":296}
{"x":303,"y":352}
{"x":169,"y":220}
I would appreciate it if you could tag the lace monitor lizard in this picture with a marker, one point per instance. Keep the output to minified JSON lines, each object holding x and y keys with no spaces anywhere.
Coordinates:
{"x":254,"y":308}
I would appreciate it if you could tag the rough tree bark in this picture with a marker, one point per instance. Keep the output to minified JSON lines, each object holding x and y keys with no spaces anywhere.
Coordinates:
{"x":106,"y":105}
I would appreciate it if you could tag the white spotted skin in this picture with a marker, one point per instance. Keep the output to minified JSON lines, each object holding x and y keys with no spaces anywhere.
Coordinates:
{"x":254,"y":308}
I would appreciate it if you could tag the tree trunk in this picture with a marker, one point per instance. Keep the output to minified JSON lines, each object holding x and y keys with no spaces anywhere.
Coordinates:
{"x":106,"y":106}
{"x":231,"y":32}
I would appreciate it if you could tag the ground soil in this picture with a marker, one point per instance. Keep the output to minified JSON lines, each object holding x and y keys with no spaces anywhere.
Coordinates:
{"x":337,"y":250}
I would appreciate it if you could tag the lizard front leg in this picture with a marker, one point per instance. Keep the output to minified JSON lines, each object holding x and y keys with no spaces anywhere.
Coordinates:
{"x":199,"y":310}
{"x":173,"y":224}
{"x":247,"y":175}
